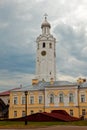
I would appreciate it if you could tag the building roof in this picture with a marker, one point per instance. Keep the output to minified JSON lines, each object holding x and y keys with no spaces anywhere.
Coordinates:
{"x":42,"y":85}
{"x":55,"y":115}
{"x":7,"y":93}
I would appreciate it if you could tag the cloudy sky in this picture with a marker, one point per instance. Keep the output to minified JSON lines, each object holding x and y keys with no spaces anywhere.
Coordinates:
{"x":20,"y":22}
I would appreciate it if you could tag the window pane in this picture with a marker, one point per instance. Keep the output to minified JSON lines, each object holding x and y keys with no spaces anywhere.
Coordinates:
{"x":70,"y":97}
{"x":23,"y":113}
{"x":40,"y":111}
{"x":31,"y":100}
{"x":32,"y":112}
{"x":61,"y":98}
{"x":82,"y":98}
{"x":23,"y":100}
{"x":15,"y":113}
{"x":83,"y":112}
{"x":40,"y":99}
{"x":71,"y":112}
{"x":51,"y":98}
{"x":15,"y":100}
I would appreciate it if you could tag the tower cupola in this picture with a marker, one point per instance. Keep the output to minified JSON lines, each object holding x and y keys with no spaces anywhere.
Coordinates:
{"x":45,"y":26}
{"x":45,"y":23}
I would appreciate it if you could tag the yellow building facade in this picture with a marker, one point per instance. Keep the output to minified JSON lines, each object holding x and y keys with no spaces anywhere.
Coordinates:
{"x":45,"y":97}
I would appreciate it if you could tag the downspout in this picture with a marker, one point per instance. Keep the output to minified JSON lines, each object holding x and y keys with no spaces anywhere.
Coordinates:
{"x":78,"y":102}
{"x":44,"y":99}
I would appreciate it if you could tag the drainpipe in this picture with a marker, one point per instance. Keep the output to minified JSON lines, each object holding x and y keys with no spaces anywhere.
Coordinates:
{"x":78,"y":102}
{"x":26,"y":93}
{"x":44,"y":99}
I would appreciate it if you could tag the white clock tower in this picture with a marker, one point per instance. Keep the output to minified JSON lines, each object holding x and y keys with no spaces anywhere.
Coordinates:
{"x":46,"y":54}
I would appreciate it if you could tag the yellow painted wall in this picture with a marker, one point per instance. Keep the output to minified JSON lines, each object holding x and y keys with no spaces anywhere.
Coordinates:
{"x":20,"y":107}
{"x":36,"y":107}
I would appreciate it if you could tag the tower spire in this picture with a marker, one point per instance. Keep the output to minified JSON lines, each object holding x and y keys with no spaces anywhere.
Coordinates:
{"x":45,"y":15}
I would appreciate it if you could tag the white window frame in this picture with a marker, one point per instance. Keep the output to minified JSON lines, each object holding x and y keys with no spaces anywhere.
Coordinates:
{"x":40,"y":99}
{"x":15,"y":113}
{"x":51,"y":98}
{"x":71,"y":112}
{"x":15,"y":101}
{"x":83,"y":112}
{"x":31,"y":99}
{"x":40,"y":111}
{"x":32,"y":112}
{"x":82,"y":98}
{"x":61,"y":98}
{"x":23,"y":100}
{"x":71,"y":97}
{"x":23,"y":113}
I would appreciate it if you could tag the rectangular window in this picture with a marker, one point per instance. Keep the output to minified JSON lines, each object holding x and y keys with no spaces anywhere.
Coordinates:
{"x":40,"y":99}
{"x":71,"y":112}
{"x":31,"y":99}
{"x":15,"y":100}
{"x":40,"y":111}
{"x":82,"y":98}
{"x":15,"y":113}
{"x":32,"y":112}
{"x":23,"y":113}
{"x":83,"y":112}
{"x":23,"y":100}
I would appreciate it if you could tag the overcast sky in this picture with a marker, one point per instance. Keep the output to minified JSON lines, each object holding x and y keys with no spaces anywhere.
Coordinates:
{"x":20,"y":22}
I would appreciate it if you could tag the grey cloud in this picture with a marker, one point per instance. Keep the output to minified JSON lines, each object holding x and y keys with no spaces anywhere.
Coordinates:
{"x":69,"y":50}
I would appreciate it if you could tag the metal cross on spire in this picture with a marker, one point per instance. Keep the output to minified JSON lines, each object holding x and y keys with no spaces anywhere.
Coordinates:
{"x":45,"y":15}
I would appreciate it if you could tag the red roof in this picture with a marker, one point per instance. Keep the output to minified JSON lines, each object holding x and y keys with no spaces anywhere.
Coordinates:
{"x":59,"y":115}
{"x":7,"y":93}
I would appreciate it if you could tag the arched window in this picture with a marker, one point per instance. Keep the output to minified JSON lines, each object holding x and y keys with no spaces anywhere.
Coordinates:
{"x":71,"y":97}
{"x":50,"y":45}
{"x":61,"y":98}
{"x":51,"y":98}
{"x":43,"y":44}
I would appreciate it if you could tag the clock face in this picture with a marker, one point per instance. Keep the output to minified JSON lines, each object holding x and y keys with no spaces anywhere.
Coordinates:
{"x":43,"y":53}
